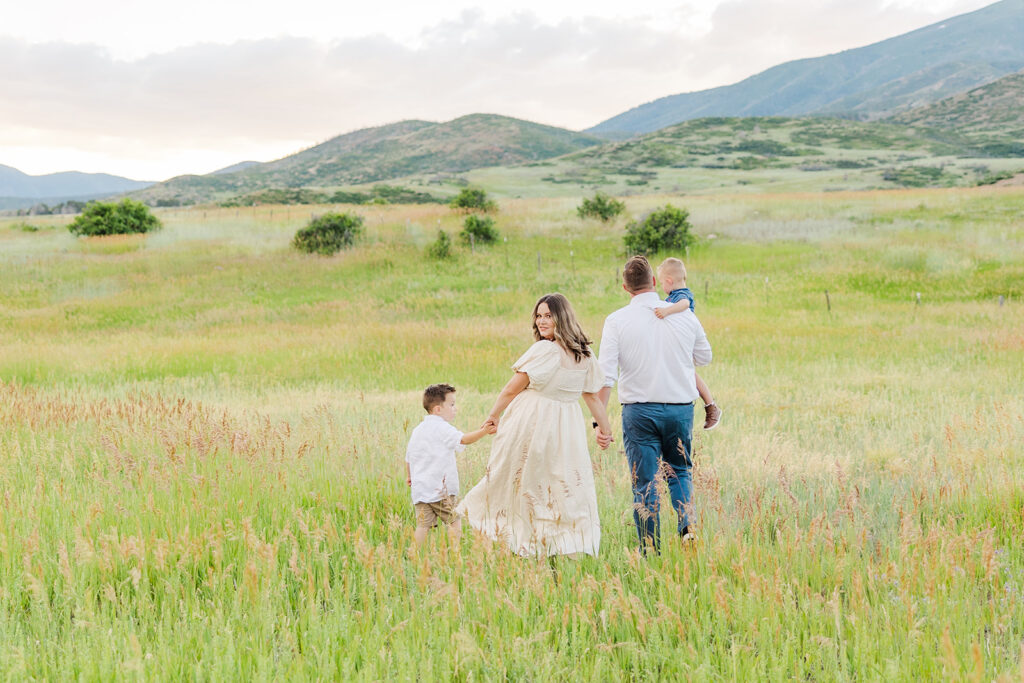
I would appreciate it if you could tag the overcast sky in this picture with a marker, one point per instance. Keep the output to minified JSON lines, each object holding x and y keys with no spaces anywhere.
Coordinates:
{"x":153,"y":90}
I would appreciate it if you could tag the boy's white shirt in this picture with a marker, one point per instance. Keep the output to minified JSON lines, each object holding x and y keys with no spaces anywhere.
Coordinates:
{"x":431,"y":457}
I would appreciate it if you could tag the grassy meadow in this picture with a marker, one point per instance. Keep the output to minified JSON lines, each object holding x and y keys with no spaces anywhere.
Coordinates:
{"x":202,"y":436}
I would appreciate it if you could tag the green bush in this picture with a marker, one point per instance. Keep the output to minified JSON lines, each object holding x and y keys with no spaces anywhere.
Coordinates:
{"x":441,"y":248}
{"x":328,"y":234}
{"x":916,"y":176}
{"x":25,"y":227}
{"x":661,"y":230}
{"x":992,"y":179}
{"x":473,"y":199}
{"x":478,"y":229}
{"x":600,"y":206}
{"x":108,"y":218}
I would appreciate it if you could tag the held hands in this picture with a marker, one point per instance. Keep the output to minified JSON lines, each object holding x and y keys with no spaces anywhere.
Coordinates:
{"x":490,"y":425}
{"x":603,"y":440}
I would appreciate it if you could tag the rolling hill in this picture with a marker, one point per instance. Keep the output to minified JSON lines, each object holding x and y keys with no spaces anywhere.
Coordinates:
{"x":730,"y":154}
{"x":870,"y":82}
{"x":387,"y":152}
{"x":989,"y":119}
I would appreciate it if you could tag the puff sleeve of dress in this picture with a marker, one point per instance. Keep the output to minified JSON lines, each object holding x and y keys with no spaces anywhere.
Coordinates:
{"x":594,"y":381}
{"x":540,"y":362}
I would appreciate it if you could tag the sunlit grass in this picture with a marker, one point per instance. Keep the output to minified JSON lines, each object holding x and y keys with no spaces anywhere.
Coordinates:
{"x":202,"y":447}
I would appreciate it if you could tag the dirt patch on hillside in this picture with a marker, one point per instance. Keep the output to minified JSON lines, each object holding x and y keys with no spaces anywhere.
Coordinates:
{"x":1015,"y":181}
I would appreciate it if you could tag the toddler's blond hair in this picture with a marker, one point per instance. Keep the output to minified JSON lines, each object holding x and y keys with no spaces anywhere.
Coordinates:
{"x":673,"y":268}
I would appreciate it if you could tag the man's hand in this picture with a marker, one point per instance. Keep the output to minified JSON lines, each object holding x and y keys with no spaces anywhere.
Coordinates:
{"x":603,"y":440}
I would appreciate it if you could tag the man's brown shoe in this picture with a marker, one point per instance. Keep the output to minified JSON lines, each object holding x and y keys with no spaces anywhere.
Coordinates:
{"x":712,"y":414}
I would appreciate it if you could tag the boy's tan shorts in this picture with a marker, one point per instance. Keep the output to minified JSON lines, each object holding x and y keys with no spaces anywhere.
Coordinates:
{"x":427,"y":514}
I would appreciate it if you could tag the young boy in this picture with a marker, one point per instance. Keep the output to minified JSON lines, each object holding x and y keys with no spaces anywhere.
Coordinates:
{"x":672,"y":274}
{"x":430,"y":469}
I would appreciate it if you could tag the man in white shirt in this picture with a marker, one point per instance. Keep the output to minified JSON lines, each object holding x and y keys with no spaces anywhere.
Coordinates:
{"x":653,"y":361}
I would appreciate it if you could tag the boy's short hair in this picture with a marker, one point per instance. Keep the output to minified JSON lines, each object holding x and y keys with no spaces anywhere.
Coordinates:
{"x":673,"y":268}
{"x":637,"y":274}
{"x":435,"y":394}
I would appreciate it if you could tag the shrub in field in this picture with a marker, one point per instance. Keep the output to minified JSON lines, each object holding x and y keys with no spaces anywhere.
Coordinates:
{"x":662,"y":229}
{"x":328,"y":234}
{"x":108,"y":218}
{"x":275,"y":195}
{"x":916,"y":176}
{"x":479,"y":229}
{"x":25,"y":227}
{"x":473,"y":199}
{"x":441,"y":248}
{"x":600,"y":206}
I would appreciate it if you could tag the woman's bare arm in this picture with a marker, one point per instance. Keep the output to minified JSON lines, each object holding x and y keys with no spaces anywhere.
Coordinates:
{"x":604,"y":425}
{"x":513,"y":388}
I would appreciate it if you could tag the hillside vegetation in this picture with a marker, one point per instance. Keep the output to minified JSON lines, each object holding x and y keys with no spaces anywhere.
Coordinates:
{"x":384,"y":153}
{"x":770,"y":153}
{"x":987,"y":119}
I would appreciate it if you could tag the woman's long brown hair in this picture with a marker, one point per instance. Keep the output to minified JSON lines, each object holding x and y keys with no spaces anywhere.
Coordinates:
{"x":568,"y":333}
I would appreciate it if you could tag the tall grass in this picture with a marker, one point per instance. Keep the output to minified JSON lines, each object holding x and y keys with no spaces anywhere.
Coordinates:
{"x":202,"y":442}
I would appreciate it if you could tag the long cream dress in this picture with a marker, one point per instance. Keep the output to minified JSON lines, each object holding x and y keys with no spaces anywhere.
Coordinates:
{"x":538,"y":495}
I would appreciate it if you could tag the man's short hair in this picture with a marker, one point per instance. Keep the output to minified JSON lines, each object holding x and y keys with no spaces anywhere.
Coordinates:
{"x":637,"y":274}
{"x":435,"y":394}
{"x":673,"y":268}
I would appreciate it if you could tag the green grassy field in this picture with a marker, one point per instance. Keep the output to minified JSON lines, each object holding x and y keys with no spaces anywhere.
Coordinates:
{"x":203,"y":435}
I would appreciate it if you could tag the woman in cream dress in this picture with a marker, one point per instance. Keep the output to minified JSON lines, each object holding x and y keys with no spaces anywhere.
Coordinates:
{"x":538,"y":494}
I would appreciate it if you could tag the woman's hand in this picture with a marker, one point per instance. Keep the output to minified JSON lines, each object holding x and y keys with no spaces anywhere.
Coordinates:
{"x":602,"y":425}
{"x":513,"y":388}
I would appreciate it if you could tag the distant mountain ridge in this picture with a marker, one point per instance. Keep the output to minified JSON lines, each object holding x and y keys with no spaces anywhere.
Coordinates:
{"x":870,"y":82}
{"x":240,"y":166}
{"x":15,"y":184}
{"x":386,"y":152}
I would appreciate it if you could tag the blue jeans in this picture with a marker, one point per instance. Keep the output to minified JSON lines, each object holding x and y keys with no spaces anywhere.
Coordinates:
{"x":654,"y":433}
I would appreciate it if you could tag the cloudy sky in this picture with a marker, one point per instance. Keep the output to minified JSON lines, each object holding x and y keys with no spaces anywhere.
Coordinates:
{"x":153,"y":90}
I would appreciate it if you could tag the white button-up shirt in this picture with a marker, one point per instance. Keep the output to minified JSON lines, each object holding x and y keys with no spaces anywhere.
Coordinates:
{"x":431,"y":458}
{"x":652,"y":359}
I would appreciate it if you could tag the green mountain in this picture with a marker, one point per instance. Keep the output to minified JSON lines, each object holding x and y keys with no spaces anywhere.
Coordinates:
{"x":989,"y":119}
{"x":790,"y":154}
{"x":878,"y":80}
{"x":384,"y":153}
{"x":762,"y":142}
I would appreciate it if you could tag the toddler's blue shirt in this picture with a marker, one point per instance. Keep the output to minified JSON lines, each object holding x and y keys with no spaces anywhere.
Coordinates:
{"x":677,"y":295}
